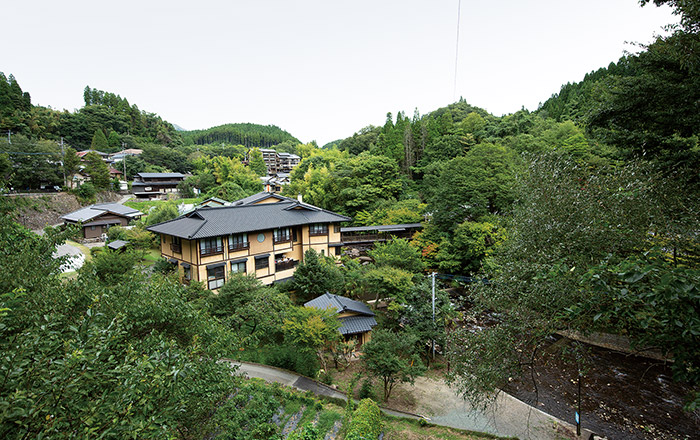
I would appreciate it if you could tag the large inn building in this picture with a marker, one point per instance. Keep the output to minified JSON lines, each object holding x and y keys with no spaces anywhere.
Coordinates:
{"x":264,"y":234}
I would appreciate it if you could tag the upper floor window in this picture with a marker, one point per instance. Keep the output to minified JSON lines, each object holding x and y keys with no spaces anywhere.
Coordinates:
{"x":238,"y":241}
{"x":318,"y":229}
{"x":211,"y":246}
{"x":281,"y":235}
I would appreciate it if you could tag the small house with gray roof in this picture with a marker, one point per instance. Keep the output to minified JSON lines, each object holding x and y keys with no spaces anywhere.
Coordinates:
{"x":356,"y":319}
{"x":265,"y":235}
{"x":96,"y":219}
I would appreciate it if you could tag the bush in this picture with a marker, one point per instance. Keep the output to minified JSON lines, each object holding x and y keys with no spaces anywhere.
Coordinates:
{"x":86,"y":193}
{"x":367,"y":390}
{"x":162,"y":265}
{"x":366,"y":421}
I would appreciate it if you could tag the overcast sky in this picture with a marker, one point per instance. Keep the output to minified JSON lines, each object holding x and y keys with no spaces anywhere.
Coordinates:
{"x":321,"y":70}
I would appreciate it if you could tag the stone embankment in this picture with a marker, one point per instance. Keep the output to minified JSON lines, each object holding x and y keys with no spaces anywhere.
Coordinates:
{"x":36,"y":211}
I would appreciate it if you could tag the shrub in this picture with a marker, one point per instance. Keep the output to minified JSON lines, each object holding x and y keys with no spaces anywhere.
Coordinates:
{"x":366,"y":421}
{"x":367,"y":390}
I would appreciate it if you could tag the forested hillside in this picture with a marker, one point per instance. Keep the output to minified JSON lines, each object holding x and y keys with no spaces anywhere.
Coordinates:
{"x":248,"y":135}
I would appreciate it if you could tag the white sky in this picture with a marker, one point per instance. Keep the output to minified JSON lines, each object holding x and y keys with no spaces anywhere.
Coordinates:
{"x":320,"y":69}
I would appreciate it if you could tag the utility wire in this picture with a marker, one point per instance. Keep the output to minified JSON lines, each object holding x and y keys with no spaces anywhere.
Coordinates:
{"x":459,"y":13}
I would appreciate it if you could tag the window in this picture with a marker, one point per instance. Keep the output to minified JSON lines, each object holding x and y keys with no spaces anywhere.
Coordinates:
{"x":92,"y":228}
{"x":318,"y":229}
{"x":336,"y":228}
{"x":262,"y":263}
{"x":281,"y":235}
{"x":338,"y":250}
{"x":238,"y":267}
{"x":187,"y":272}
{"x":238,"y":241}
{"x":323,"y":252}
{"x":176,"y":245}
{"x":215,"y":277}
{"x":210,"y":246}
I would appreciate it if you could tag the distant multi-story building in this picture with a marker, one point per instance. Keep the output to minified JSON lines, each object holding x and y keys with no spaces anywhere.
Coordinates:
{"x":279,"y":162}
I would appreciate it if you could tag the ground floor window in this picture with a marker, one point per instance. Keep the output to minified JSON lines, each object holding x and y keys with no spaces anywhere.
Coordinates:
{"x":262,"y":263}
{"x":215,"y":277}
{"x":187,"y":272}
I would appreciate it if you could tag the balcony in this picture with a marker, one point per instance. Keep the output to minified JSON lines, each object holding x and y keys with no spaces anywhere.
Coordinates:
{"x":285,"y":265}
{"x":282,"y":239}
{"x":176,"y":247}
{"x":205,"y":252}
{"x":232,"y":247}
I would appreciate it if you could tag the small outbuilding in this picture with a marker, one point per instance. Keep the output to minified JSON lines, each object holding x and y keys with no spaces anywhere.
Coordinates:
{"x":96,"y":219}
{"x":356,"y":319}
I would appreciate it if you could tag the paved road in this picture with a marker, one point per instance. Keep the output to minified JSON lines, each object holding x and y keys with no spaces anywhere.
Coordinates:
{"x":76,"y":257}
{"x":508,"y":416}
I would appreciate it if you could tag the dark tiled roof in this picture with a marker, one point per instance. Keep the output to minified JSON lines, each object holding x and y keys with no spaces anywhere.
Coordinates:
{"x":260,"y":196}
{"x":339,"y":304}
{"x":356,"y":324}
{"x":224,"y":220}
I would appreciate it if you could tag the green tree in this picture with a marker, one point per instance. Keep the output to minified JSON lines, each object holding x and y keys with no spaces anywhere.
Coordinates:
{"x":465,"y":251}
{"x":398,"y":253}
{"x":97,"y":170}
{"x":71,"y":163}
{"x":161,"y":213}
{"x":255,"y":312}
{"x":315,"y":276}
{"x":99,"y":141}
{"x":472,"y":186}
{"x":548,"y":275}
{"x":257,"y":164}
{"x":392,"y":357}
{"x":313,"y":330}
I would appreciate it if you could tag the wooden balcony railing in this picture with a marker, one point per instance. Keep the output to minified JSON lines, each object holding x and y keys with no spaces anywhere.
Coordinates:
{"x":176,"y":247}
{"x":285,"y":265}
{"x":238,"y":246}
{"x":205,"y":252}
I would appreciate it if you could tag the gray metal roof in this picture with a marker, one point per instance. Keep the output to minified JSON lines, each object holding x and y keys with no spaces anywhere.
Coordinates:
{"x":159,"y":175}
{"x":356,"y":324}
{"x":117,"y":244}
{"x":339,"y":304}
{"x":382,"y":228}
{"x":93,"y":211}
{"x":224,"y":220}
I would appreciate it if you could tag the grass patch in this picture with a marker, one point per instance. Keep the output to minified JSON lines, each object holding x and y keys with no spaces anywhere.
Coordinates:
{"x":327,"y":419}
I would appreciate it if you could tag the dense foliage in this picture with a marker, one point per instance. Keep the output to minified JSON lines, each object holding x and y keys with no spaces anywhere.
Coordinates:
{"x":248,"y":135}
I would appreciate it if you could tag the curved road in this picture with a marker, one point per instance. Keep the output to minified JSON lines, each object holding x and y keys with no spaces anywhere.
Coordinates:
{"x":507,"y":416}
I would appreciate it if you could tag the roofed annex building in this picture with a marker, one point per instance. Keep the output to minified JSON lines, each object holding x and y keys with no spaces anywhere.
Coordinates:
{"x":265,"y":235}
{"x":97,"y":219}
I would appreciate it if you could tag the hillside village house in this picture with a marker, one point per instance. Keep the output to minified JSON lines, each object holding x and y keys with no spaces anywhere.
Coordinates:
{"x":356,"y":319}
{"x":265,"y":235}
{"x":97,"y":219}
{"x":155,"y":185}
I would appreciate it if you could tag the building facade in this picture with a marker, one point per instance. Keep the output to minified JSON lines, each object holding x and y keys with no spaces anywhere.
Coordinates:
{"x":156,"y":185}
{"x":265,"y":235}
